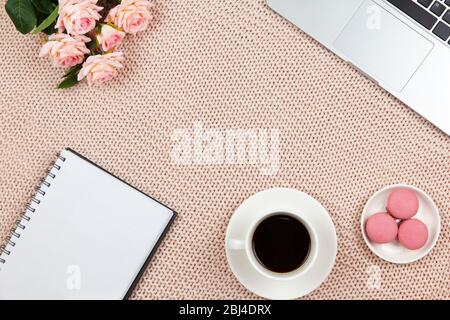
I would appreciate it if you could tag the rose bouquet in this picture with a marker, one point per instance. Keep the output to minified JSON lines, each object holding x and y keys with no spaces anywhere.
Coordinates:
{"x":82,"y":36}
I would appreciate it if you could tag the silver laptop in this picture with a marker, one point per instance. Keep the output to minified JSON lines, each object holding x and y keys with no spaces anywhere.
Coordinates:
{"x":403,"y":45}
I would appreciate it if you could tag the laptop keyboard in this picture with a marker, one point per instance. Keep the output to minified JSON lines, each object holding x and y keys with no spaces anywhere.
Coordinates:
{"x":434,"y":15}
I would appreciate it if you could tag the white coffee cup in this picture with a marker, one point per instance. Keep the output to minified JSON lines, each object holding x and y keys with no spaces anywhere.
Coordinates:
{"x":246,"y":245}
{"x":245,"y":264}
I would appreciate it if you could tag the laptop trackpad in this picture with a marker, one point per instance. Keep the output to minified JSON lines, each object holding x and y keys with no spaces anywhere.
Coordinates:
{"x":382,"y":46}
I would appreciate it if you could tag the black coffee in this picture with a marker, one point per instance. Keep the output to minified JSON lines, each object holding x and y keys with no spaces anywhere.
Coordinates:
{"x":281,"y":243}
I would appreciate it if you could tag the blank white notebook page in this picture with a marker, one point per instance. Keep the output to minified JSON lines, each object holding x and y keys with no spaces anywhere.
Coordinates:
{"x":88,"y":237}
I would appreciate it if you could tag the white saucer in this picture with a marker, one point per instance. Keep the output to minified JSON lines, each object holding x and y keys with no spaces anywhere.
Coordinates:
{"x":283,"y":200}
{"x":394,"y":252}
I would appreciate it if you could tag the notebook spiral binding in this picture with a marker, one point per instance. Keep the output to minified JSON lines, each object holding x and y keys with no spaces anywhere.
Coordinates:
{"x":21,"y":224}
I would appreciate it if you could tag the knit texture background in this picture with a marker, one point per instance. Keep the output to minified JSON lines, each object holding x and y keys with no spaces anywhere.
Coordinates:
{"x":227,"y":64}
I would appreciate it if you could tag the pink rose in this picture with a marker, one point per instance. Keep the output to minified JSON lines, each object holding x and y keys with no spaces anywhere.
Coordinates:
{"x":101,"y":68}
{"x":131,"y":15}
{"x":77,"y":16}
{"x":64,"y":50}
{"x":109,"y":37}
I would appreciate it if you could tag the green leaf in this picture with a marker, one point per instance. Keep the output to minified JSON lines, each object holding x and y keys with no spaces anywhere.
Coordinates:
{"x":41,"y":17}
{"x":47,"y":22}
{"x":73,"y":71}
{"x":69,"y":81}
{"x":22,"y":14}
{"x":70,"y":78}
{"x":43,"y":6}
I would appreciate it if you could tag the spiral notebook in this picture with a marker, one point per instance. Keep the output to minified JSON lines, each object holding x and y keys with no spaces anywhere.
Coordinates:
{"x":85,"y":235}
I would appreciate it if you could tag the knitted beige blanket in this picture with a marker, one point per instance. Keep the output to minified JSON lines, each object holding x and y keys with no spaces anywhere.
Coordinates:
{"x":225,"y":66}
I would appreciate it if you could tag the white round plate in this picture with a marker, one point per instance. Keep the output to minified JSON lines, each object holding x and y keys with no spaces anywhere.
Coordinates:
{"x":282,"y":200}
{"x":428,"y":213}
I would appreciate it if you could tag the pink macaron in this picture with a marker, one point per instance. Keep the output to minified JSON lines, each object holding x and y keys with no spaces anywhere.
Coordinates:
{"x":413,"y":234}
{"x":381,"y":228}
{"x":403,"y":203}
